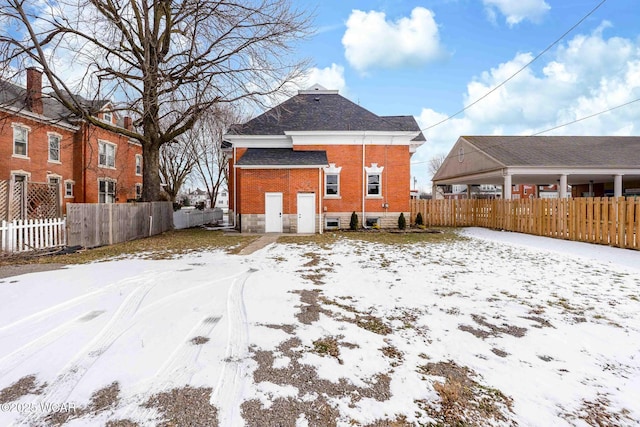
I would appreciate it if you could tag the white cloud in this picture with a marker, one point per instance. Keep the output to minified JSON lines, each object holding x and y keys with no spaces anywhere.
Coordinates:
{"x":587,"y":75}
{"x":371,"y":41}
{"x":516,"y":11}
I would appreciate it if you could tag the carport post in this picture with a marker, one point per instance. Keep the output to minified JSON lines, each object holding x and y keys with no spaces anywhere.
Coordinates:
{"x":506,"y":188}
{"x":617,"y":186}
{"x":563,"y":186}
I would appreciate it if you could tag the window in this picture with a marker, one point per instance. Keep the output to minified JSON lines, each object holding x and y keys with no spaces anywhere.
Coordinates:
{"x":54,"y":180}
{"x":107,"y":117}
{"x":106,"y":154}
{"x":68,"y":188}
{"x":138,"y":164}
{"x":332,"y":185}
{"x":332,"y":180}
{"x":373,"y":184}
{"x":106,"y":191}
{"x":332,"y":223}
{"x":138,"y":191}
{"x":20,"y":141}
{"x":54,"y":147}
{"x":372,"y":221}
{"x":19,"y":177}
{"x":374,"y":180}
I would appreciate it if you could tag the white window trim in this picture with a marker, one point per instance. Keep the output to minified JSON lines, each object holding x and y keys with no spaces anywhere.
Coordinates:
{"x":331,"y":218}
{"x":49,"y":159}
{"x":115,"y":190}
{"x":331,"y":170}
{"x":20,"y":172}
{"x":138,"y":159}
{"x":72,"y":183}
{"x":374,"y":170}
{"x":15,"y":126}
{"x":107,"y":113}
{"x":115,"y":152}
{"x":138,"y":185}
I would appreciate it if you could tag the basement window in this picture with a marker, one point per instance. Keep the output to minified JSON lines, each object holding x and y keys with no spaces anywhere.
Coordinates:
{"x":332,"y":223}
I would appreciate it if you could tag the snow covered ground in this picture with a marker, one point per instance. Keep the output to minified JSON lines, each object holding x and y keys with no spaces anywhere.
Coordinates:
{"x":495,"y":329}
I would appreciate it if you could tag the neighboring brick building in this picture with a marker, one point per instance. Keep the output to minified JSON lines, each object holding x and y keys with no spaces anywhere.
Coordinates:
{"x":41,"y":141}
{"x":307,"y":164}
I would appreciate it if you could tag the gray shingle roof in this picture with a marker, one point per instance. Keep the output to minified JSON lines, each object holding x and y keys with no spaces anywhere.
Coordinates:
{"x":15,"y":96}
{"x":283,"y":157}
{"x":321,"y":112}
{"x":598,"y":151}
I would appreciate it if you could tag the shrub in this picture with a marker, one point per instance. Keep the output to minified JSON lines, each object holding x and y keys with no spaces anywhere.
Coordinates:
{"x":419,"y":220}
{"x":353,"y":224}
{"x":402,"y":222}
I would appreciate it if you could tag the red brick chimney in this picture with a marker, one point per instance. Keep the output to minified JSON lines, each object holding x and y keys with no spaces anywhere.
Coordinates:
{"x":34,"y":90}
{"x":128,"y":123}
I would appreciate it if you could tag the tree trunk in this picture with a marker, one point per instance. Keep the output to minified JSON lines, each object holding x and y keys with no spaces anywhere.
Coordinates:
{"x":151,"y":172}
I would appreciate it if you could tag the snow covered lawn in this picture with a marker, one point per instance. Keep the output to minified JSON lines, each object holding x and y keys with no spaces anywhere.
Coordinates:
{"x":491,"y":329}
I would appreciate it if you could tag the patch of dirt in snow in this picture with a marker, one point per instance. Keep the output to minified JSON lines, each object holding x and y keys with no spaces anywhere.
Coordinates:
{"x":315,"y":397}
{"x":493,"y":330}
{"x":22,"y":387}
{"x":598,"y":413}
{"x":463,"y":401}
{"x":101,"y":400}
{"x":187,"y":406}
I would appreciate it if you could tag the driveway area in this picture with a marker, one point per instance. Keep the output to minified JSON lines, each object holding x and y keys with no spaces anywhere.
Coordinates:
{"x":489,"y":328}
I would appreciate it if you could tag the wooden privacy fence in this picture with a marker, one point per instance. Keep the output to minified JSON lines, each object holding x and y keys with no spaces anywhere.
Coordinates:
{"x":606,"y":220}
{"x":97,"y":224}
{"x":32,"y":234}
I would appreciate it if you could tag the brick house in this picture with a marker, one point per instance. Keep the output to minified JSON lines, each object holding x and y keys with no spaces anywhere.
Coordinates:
{"x":305,"y":165}
{"x":41,"y":141}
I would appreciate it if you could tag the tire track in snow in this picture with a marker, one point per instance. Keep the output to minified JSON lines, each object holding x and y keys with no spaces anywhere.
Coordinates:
{"x":177,"y":370}
{"x":72,"y":373}
{"x":50,"y":311}
{"x":228,"y":393}
{"x":15,"y":358}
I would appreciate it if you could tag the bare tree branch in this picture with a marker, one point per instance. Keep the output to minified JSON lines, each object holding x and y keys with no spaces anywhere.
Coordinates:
{"x":158,"y":59}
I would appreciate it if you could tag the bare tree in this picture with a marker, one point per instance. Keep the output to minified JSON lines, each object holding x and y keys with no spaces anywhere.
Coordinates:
{"x":435,"y":162}
{"x":211,"y":167}
{"x":160,"y":59}
{"x":177,"y":159}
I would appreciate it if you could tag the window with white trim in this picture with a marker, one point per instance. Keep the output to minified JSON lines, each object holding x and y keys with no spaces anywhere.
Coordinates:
{"x":332,"y":180}
{"x":374,"y":180}
{"x":331,"y":223}
{"x":107,"y":116}
{"x":138,"y":164}
{"x":68,"y":188}
{"x":106,"y":191}
{"x":138,"y":191}
{"x":20,"y":140}
{"x":106,"y":154}
{"x":54,"y":147}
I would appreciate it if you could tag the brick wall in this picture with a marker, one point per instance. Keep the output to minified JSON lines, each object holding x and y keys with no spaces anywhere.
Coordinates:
{"x":78,"y":158}
{"x":252,"y":185}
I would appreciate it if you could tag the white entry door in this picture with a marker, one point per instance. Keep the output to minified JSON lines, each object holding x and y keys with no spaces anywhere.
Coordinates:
{"x":273,"y":212}
{"x":306,"y":213}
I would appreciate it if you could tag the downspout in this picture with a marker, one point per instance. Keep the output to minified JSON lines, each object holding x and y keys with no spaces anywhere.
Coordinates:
{"x":235,"y":189}
{"x":320,"y":192}
{"x":364,"y":181}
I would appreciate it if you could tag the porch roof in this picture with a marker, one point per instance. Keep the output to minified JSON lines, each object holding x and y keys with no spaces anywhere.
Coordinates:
{"x":282,"y":157}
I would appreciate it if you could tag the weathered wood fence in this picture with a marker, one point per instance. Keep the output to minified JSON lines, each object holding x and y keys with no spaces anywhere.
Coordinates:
{"x":97,"y":224}
{"x":607,"y":220}
{"x":32,"y":234}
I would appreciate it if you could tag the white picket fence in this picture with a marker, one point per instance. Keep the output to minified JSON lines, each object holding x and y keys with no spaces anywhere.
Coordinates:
{"x":32,"y":234}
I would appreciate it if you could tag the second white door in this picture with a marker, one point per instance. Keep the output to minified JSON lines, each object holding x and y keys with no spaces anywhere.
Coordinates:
{"x":306,"y":213}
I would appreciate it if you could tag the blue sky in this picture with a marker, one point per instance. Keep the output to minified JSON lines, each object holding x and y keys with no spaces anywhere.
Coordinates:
{"x":431,"y":58}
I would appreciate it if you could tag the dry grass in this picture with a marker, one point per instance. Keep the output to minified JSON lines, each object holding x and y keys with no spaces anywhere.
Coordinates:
{"x":392,"y":237}
{"x":162,"y":246}
{"x":463,"y":401}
